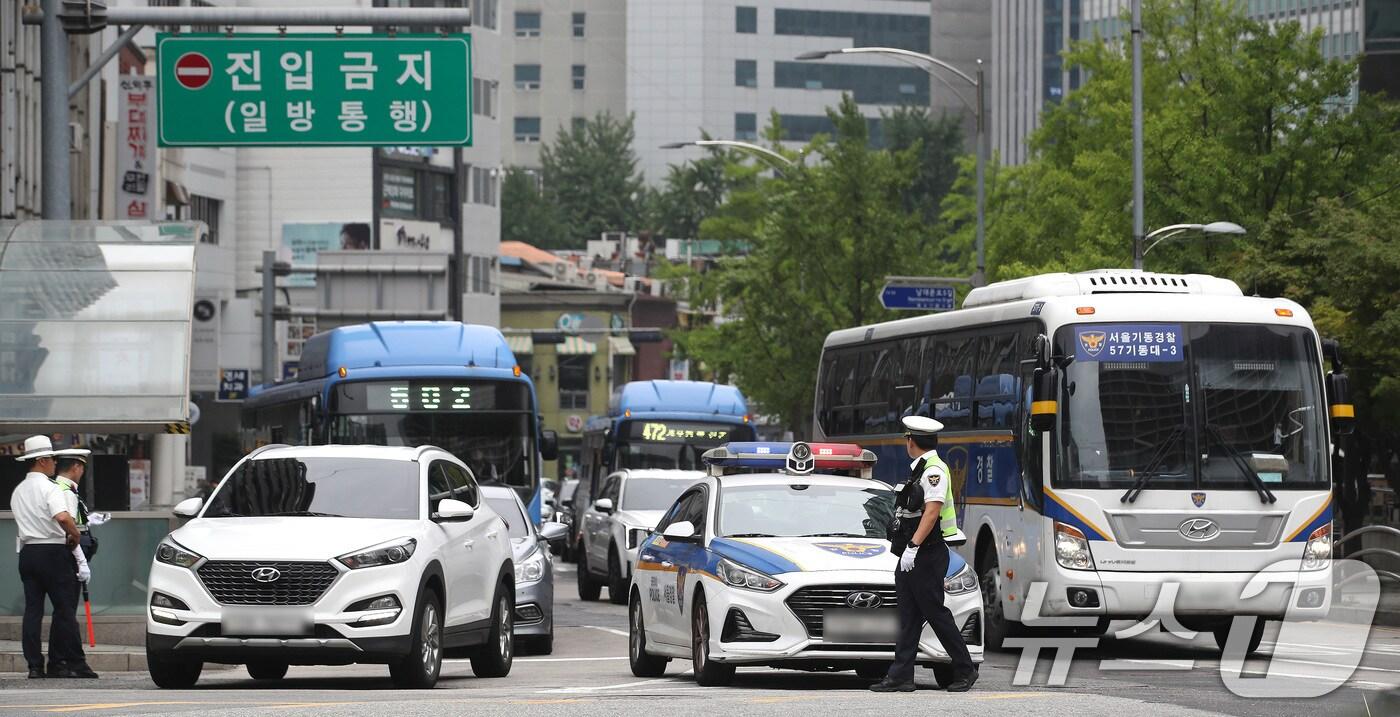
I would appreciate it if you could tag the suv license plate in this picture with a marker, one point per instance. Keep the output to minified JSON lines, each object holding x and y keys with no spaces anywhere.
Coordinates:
{"x":264,"y":621}
{"x":860,"y":626}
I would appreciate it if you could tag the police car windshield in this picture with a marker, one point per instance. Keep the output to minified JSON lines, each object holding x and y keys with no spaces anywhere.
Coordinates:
{"x":652,"y":493}
{"x":319,"y":487}
{"x":799,"y":510}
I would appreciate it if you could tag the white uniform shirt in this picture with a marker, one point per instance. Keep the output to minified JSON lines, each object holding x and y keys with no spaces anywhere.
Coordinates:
{"x":35,"y":502}
{"x":937,"y":487}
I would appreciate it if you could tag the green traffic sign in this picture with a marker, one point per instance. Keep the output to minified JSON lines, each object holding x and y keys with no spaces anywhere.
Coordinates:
{"x":315,"y":90}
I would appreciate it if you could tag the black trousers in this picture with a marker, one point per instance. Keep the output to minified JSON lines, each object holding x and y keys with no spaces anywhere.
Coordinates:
{"x":50,"y":570}
{"x":920,"y":593}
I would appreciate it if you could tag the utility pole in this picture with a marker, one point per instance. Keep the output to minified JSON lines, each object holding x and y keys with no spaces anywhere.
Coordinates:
{"x":269,"y":320}
{"x":53,"y":98}
{"x":1137,"y":135}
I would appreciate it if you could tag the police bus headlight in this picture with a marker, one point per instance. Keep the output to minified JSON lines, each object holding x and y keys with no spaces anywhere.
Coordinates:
{"x":172,"y":553}
{"x":1072,"y":548}
{"x":396,"y":551}
{"x":531,"y":569}
{"x":1318,"y":551}
{"x":736,"y":575}
{"x":963,"y":581}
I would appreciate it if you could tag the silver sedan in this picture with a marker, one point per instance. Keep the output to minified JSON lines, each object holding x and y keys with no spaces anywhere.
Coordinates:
{"x":534,"y":570}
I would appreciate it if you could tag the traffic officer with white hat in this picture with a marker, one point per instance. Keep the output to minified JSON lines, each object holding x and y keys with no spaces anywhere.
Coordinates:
{"x":46,"y":536}
{"x":926,"y":522}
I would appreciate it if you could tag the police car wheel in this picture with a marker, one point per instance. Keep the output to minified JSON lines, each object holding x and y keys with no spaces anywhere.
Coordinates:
{"x":708,"y":673}
{"x":588,"y":586}
{"x":642,"y":663}
{"x":617,"y":585}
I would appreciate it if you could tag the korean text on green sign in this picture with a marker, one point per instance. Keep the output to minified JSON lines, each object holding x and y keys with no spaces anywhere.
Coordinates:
{"x":314,"y":90}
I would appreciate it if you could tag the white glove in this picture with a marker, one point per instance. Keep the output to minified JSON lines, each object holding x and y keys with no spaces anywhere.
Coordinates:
{"x":84,"y":572}
{"x":906,"y":561}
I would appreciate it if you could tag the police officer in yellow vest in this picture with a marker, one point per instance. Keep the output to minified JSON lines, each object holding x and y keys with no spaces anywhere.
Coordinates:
{"x":926,"y":519}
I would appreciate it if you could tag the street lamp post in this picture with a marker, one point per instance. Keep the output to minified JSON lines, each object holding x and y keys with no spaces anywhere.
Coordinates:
{"x":1157,"y":236}
{"x":928,"y":63}
{"x":778,"y":161}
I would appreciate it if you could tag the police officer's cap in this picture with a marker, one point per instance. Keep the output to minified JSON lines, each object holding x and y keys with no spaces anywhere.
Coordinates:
{"x":920,"y":426}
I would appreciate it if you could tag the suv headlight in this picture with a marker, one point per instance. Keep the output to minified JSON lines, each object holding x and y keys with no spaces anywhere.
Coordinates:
{"x":738,"y":576}
{"x":963,"y":581}
{"x":172,"y":553}
{"x":531,"y":569}
{"x":390,"y":553}
{"x":635,"y":536}
{"x":1318,"y":552}
{"x":1072,"y":548}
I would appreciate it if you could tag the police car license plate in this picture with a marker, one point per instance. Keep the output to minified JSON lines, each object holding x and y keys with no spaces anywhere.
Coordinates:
{"x":265,"y":621}
{"x":860,"y":626}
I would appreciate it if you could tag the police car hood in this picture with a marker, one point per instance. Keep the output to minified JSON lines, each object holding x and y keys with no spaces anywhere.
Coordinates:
{"x":286,"y":538}
{"x":776,"y":556}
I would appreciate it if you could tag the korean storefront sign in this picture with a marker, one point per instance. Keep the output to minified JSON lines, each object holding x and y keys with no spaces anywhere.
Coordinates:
{"x":137,"y":189}
{"x":314,"y":90}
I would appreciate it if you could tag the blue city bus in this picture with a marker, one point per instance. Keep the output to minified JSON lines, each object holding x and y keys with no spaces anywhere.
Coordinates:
{"x":409,"y":383}
{"x":660,"y":425}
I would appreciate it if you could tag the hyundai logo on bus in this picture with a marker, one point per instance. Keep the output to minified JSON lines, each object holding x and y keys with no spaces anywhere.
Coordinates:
{"x":1199,"y":529}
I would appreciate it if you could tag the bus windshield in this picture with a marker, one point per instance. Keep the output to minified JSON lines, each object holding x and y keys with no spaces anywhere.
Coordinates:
{"x":1191,"y":406}
{"x":674,"y":445}
{"x":486,"y":424}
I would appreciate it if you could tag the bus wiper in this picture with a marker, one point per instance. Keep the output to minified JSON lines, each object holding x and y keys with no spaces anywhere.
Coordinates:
{"x":1150,"y":471}
{"x":1265,"y":495}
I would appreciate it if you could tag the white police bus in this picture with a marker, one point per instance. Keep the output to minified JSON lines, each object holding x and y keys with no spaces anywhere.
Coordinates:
{"x":1111,"y":433}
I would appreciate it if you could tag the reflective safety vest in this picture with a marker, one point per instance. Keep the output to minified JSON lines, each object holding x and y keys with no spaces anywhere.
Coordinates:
{"x":912,"y":498}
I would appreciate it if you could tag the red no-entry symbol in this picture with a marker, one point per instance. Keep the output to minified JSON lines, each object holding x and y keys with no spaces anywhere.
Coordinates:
{"x":193,"y":70}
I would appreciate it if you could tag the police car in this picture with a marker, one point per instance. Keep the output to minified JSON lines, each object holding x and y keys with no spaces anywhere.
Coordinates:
{"x":778,"y":557}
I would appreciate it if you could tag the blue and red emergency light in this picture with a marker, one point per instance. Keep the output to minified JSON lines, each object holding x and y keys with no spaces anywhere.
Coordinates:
{"x":797,"y":458}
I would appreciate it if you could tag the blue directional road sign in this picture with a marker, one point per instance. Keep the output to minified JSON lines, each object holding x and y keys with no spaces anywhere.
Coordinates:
{"x":918,"y":298}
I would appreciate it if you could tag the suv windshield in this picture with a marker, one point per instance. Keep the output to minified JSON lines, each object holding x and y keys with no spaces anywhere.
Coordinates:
{"x":1184,"y":404}
{"x":652,"y":493}
{"x":337,"y":487}
{"x":799,"y":510}
{"x":673,"y":445}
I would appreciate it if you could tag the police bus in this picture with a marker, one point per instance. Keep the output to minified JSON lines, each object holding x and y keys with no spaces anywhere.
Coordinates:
{"x":657,"y":424}
{"x":1111,"y":433}
{"x":410,"y":383}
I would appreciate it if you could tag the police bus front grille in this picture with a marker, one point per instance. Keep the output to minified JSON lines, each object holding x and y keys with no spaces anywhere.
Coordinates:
{"x":809,"y":603}
{"x":231,"y":582}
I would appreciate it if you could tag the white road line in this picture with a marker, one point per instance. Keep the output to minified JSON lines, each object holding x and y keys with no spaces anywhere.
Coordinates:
{"x":1129,"y":664}
{"x":553,"y":659}
{"x":624,"y":685}
{"x":606,"y":629}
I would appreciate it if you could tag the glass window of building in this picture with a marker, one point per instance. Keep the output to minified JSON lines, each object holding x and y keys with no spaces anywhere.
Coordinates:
{"x":577,"y":73}
{"x":868,"y":84}
{"x":746,"y":73}
{"x":205,"y":209}
{"x":745,"y":125}
{"x":862,"y":29}
{"x":573,"y":381}
{"x":485,"y":13}
{"x":746,"y":20}
{"x":579,"y":19}
{"x":527,"y":24}
{"x":527,"y":129}
{"x":527,"y":77}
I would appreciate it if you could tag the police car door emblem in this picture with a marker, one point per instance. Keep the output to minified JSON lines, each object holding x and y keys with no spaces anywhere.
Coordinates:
{"x":852,"y":550}
{"x":266,"y":574}
{"x":864,"y":600}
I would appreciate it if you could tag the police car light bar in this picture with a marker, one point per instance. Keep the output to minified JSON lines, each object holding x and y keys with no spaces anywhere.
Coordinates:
{"x":796,"y":458}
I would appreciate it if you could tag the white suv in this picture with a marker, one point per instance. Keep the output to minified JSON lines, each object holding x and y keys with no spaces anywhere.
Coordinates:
{"x":332,"y":555}
{"x":628,"y":505}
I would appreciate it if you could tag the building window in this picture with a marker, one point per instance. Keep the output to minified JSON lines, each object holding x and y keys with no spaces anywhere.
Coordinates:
{"x":484,"y":97}
{"x":204,"y":209}
{"x":578,"y":74}
{"x":527,"y":77}
{"x":485,"y":13}
{"x":484,"y":185}
{"x":527,"y":129}
{"x":746,"y":20}
{"x":579,"y":24}
{"x":865,"y":29}
{"x":527,"y":24}
{"x":868,"y":84}
{"x":746,"y":73}
{"x":745,"y":125}
{"x":573,"y":382}
{"x":417,"y":193}
{"x":578,"y":124}
{"x":479,"y":279}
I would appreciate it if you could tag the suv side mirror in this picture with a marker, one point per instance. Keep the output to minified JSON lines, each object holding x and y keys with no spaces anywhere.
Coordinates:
{"x":603,"y":505}
{"x":549,"y":445}
{"x":453,"y":511}
{"x":683,"y":530}
{"x":189,"y":507}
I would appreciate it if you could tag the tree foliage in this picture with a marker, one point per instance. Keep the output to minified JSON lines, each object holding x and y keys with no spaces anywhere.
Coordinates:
{"x":590,"y":176}
{"x":526,"y":216}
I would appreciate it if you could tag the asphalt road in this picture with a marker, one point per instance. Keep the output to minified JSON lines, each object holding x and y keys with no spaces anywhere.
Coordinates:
{"x":588,"y":675}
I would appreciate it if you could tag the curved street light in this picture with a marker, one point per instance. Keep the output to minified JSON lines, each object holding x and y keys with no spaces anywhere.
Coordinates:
{"x":778,"y":161}
{"x":1157,"y":236}
{"x":928,"y":63}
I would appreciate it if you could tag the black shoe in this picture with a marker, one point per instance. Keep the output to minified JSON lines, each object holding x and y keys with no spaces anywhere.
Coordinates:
{"x":964,"y":683}
{"x":888,"y":685}
{"x":36,"y":674}
{"x":71,"y":673}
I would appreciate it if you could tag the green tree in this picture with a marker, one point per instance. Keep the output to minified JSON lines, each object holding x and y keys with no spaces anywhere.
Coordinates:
{"x":590,"y":175}
{"x":525,"y":214}
{"x":937,"y":143}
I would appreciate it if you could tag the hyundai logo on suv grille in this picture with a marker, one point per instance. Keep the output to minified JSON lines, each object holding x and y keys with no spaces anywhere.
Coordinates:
{"x":266,"y":574}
